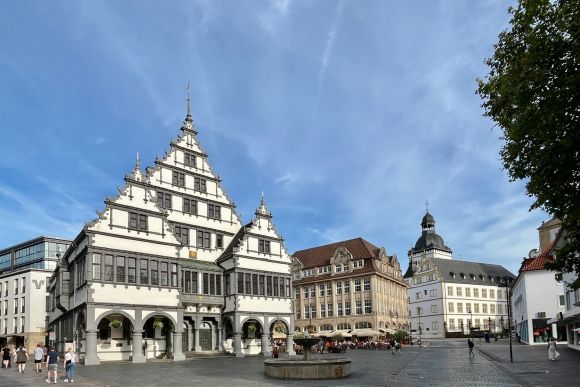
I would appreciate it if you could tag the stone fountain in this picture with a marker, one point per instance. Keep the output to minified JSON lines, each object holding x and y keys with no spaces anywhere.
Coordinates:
{"x":307,"y":368}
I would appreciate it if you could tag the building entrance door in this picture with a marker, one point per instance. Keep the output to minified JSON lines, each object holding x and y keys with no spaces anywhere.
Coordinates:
{"x":205,"y":339}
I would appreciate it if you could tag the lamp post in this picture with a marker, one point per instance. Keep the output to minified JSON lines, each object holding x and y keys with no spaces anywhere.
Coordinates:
{"x":420,"y":328}
{"x":507,"y":282}
{"x":471,"y":323}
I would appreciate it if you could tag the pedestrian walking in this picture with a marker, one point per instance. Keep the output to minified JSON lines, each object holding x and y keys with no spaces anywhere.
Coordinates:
{"x":6,"y":356}
{"x":38,"y":357}
{"x":552,"y":349}
{"x":471,"y":345}
{"x":69,"y":365}
{"x":52,"y":364}
{"x":398,"y":348}
{"x":44,"y":353}
{"x":21,"y":358}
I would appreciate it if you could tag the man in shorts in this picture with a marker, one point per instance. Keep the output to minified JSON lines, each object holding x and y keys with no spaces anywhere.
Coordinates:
{"x":52,"y":364}
{"x":38,"y":356}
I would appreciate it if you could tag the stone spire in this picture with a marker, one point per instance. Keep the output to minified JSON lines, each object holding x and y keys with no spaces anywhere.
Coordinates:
{"x":262,"y":210}
{"x":188,"y":122}
{"x":136,"y":173}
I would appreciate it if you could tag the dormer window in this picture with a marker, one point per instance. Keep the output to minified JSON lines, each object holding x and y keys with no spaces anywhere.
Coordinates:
{"x":338,"y":268}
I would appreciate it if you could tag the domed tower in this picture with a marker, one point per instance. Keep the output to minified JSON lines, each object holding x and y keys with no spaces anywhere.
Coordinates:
{"x":429,"y":245}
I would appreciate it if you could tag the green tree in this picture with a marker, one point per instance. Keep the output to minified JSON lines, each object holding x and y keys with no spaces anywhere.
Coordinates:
{"x":532,"y":92}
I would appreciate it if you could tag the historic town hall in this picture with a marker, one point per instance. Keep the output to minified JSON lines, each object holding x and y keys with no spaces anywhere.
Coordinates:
{"x":168,"y":268}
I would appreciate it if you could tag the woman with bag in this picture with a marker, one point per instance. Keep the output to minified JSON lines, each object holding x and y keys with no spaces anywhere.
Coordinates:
{"x":69,"y":365}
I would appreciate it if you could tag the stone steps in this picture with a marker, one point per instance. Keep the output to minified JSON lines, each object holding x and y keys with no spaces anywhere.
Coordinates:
{"x":192,"y":354}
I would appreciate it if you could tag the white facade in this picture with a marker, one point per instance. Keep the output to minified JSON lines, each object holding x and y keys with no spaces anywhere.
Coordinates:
{"x":22,"y":306}
{"x":571,"y":316}
{"x":536,"y":297}
{"x":157,"y":272}
{"x":449,"y":297}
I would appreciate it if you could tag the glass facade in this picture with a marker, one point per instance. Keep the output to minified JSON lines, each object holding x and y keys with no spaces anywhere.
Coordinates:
{"x":39,"y":255}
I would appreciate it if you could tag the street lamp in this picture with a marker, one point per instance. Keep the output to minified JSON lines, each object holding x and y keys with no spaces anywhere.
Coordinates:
{"x":420,"y":327}
{"x":507,"y":282}
{"x":471,"y":323}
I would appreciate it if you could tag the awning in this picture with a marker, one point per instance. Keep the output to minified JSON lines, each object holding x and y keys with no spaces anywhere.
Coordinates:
{"x":576,"y":329}
{"x":323,"y":334}
{"x":388,"y":330}
{"x":341,"y":333}
{"x":365,"y":332}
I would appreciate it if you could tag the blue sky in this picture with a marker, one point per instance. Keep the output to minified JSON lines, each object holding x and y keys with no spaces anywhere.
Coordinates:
{"x":349,"y":115}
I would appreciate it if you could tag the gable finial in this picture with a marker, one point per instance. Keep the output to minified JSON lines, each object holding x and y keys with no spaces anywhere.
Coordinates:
{"x":262,"y":210}
{"x":188,"y":101}
{"x":138,"y":161}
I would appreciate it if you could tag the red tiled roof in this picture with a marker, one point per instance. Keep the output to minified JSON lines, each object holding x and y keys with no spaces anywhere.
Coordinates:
{"x":368,"y":267}
{"x":538,"y":263}
{"x":320,"y":256}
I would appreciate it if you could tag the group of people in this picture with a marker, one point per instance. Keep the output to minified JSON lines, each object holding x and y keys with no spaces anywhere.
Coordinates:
{"x":46,"y":355}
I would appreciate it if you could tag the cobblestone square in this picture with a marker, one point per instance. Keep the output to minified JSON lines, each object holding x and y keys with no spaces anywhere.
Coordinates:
{"x":438,"y":363}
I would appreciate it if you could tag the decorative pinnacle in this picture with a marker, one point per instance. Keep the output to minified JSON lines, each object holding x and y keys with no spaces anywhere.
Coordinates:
{"x":138,"y":162}
{"x":263,"y":210}
{"x":188,"y":118}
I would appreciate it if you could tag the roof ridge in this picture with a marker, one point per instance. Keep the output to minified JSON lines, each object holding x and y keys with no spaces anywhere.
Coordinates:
{"x":328,"y":244}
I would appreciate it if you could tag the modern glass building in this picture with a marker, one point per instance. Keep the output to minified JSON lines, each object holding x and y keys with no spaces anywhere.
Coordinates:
{"x":38,"y":253}
{"x":24,"y":272}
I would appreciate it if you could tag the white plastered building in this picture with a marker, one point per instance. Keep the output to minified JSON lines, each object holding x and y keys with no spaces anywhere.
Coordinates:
{"x":449,"y":297}
{"x":536,"y":295}
{"x":167,"y":269}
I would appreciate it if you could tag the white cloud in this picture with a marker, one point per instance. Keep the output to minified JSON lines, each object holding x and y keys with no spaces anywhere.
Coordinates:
{"x":325,"y":60}
{"x":287,"y":179}
{"x":271,"y":18}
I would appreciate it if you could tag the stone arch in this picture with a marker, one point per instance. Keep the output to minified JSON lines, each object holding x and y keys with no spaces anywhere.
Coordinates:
{"x":159,"y":313}
{"x":278,"y":322}
{"x":111,"y":311}
{"x":326,"y":327}
{"x":256,"y":319}
{"x":247,"y":332}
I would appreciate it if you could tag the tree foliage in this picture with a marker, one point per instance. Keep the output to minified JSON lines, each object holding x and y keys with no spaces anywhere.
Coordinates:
{"x":532,"y":92}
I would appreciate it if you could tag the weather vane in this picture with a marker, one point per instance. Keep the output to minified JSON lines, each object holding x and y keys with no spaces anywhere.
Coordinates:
{"x":427,"y":205}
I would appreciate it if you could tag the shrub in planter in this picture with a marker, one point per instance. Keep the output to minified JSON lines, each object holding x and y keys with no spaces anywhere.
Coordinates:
{"x":115,"y":323}
{"x":158,"y":324}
